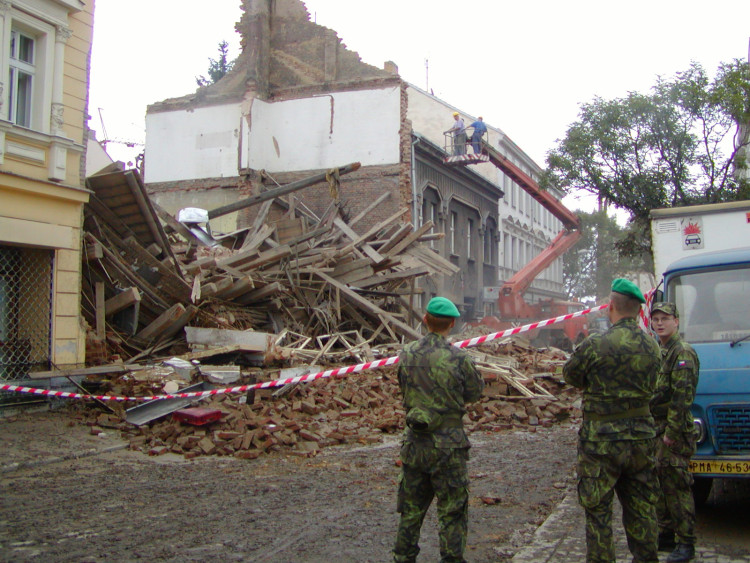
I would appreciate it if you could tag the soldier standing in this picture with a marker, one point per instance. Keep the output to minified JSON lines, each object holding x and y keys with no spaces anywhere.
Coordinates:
{"x":436,"y":380}
{"x":675,"y":445}
{"x":617,"y":372}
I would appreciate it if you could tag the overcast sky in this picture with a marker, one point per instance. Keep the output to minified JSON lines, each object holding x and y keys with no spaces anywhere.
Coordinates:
{"x":524,"y":66}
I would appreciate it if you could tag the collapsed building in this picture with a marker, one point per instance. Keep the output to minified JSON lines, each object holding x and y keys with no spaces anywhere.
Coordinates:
{"x":297,"y":102}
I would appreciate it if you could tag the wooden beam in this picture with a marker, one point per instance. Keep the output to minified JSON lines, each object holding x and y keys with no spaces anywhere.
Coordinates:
{"x":101,"y":327}
{"x":121,"y":301}
{"x":162,"y":322}
{"x":283,"y":190}
{"x":370,"y":307}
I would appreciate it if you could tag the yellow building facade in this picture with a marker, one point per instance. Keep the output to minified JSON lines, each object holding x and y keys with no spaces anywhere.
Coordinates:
{"x":44,"y":73}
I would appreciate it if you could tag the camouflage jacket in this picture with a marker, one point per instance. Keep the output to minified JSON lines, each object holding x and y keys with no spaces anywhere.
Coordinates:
{"x":437,"y":376}
{"x":617,"y":372}
{"x":675,"y":388}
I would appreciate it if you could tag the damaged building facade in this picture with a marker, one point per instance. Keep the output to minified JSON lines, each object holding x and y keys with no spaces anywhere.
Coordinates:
{"x":298,"y":102}
{"x":43,"y":95}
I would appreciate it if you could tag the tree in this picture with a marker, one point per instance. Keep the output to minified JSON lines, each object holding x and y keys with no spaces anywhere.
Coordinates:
{"x":216,"y":68}
{"x":678,"y":145}
{"x":588,"y":269}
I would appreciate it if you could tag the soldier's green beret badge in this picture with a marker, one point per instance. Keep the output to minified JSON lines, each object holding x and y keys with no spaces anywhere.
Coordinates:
{"x":627,"y":287}
{"x":442,"y":307}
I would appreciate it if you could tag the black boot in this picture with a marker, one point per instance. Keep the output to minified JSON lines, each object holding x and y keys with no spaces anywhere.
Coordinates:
{"x":666,"y":540}
{"x":683,"y":552}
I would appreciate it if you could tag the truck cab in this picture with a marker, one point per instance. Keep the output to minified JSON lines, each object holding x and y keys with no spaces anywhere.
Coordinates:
{"x":712,"y":294}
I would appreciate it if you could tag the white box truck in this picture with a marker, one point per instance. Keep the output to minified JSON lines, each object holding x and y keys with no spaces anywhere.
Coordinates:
{"x":702,"y":257}
{"x":679,"y":232}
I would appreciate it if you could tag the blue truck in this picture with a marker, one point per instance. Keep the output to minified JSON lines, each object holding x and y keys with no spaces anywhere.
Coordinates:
{"x":711,"y":288}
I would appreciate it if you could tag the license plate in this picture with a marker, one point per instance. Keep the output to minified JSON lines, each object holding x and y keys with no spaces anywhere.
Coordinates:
{"x":721,"y":466}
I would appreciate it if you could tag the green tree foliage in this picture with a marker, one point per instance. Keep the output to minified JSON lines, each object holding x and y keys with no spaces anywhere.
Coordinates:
{"x":588,"y":269}
{"x":217,"y":68}
{"x":677,"y":145}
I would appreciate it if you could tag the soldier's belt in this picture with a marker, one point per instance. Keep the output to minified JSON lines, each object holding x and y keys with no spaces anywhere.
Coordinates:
{"x":630,"y":413}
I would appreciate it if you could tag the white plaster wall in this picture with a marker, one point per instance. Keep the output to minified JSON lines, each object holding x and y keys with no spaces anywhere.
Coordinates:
{"x":323,"y":131}
{"x":192,"y":144}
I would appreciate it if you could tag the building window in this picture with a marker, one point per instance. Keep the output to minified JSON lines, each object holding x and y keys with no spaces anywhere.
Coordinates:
{"x":21,"y":80}
{"x":454,"y":226}
{"x":469,"y":243}
{"x":434,"y":219}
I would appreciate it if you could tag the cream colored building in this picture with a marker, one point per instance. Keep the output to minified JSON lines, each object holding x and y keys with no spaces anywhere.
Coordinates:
{"x":44,"y":56}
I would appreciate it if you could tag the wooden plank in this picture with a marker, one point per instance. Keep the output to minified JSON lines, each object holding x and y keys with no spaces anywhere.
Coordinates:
{"x":373,"y":231}
{"x":397,"y":237}
{"x":240,"y":287}
{"x":398,"y":248}
{"x":95,"y":370}
{"x":212,"y":288}
{"x":122,"y":300}
{"x":379,"y":279}
{"x":432,"y":260}
{"x":367,"y":210}
{"x":179,"y":323}
{"x":175,"y":225}
{"x":260,"y":294}
{"x":283,"y":190}
{"x":101,"y":327}
{"x":366,"y":248}
{"x":162,"y":322}
{"x":94,"y":252}
{"x":370,"y":307}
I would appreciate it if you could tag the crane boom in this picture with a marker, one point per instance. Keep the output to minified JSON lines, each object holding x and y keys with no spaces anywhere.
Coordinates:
{"x":569,"y":219}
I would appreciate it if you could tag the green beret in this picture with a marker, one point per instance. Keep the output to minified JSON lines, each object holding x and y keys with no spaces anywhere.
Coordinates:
{"x":627,"y":287}
{"x":442,"y":307}
{"x":666,"y":308}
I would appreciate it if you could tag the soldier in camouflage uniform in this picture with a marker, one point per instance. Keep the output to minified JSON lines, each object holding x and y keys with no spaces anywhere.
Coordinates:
{"x":436,"y":380}
{"x":675,"y":445}
{"x":617,"y":372}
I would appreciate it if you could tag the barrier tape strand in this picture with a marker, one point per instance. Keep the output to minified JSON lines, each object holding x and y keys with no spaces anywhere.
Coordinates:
{"x":338,"y":372}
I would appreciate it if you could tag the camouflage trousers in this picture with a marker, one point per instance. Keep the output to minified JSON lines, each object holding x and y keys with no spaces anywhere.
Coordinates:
{"x":625,"y":467}
{"x":428,"y":472}
{"x":676,"y":509}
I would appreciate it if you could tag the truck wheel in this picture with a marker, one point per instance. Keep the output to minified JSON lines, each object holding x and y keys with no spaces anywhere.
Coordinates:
{"x":701,"y":490}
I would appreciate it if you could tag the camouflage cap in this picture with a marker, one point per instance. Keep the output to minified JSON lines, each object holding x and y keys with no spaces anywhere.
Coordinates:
{"x":666,"y":308}
{"x":442,"y":307}
{"x":627,"y":287}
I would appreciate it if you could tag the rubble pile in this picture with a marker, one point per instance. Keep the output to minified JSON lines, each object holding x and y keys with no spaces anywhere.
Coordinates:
{"x":523,"y":389}
{"x":174,"y":308}
{"x":147,"y":275}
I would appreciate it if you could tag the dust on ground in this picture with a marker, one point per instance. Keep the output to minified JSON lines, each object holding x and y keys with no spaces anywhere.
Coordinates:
{"x":68,"y":495}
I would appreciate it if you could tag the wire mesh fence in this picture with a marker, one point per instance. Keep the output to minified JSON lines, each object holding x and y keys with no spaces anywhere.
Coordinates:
{"x":25,"y":310}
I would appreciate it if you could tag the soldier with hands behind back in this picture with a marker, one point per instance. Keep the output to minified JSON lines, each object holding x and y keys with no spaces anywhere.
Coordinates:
{"x":675,"y":445}
{"x":436,"y":379}
{"x":617,"y":372}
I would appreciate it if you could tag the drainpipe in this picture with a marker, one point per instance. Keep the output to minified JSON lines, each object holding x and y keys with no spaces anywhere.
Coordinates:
{"x":414,"y":198}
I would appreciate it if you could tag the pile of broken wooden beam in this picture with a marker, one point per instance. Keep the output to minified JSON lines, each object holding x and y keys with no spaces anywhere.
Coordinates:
{"x":523,"y":389}
{"x":146,"y":275}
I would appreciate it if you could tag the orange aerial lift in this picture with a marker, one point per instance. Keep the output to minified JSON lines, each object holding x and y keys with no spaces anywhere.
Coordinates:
{"x":512,"y":306}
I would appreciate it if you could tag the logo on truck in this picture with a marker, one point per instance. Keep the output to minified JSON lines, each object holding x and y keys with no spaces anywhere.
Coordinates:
{"x":692,"y":233}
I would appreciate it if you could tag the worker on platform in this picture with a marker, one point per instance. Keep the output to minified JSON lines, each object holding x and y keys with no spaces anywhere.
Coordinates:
{"x":479,"y":129}
{"x":617,"y":372}
{"x":436,"y":381}
{"x":675,"y":445}
{"x":459,"y":134}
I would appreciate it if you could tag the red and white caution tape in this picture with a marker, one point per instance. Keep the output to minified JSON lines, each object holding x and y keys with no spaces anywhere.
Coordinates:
{"x":339,"y":372}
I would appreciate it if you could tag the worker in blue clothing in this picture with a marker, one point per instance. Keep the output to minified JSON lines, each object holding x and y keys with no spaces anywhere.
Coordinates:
{"x":476,"y":137}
